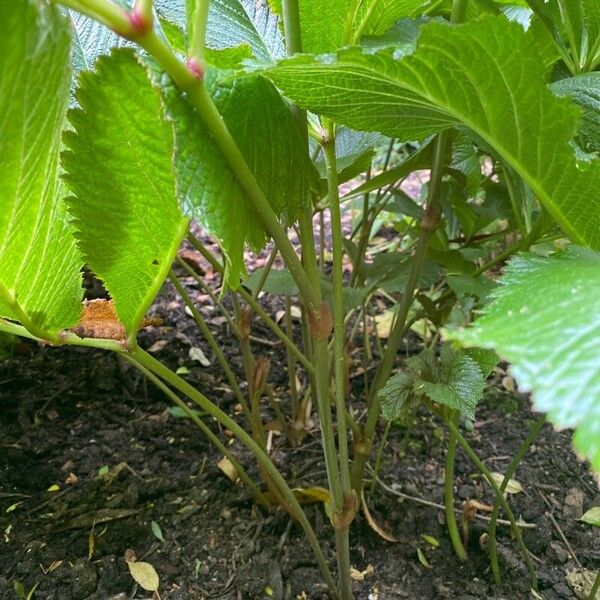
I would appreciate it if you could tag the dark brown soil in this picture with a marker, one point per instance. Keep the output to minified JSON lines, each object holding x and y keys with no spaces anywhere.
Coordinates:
{"x":67,"y":413}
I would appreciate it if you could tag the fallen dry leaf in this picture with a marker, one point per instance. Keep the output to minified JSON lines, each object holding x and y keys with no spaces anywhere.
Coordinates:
{"x":373,"y":524}
{"x":157,"y":346}
{"x":357,"y":575}
{"x":227,"y":467}
{"x":198,"y":355}
{"x":144,"y":575}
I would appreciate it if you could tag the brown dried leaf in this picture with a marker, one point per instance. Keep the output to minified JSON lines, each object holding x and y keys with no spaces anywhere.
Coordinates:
{"x":99,"y":320}
{"x":144,"y":575}
{"x":227,"y":467}
{"x":373,"y":524}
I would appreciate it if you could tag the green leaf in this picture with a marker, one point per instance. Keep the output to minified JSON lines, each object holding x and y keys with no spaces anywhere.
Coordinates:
{"x":585,"y":91}
{"x":486,"y":359}
{"x":395,"y":394}
{"x":39,"y":262}
{"x":233,"y":23}
{"x":91,"y":39}
{"x":456,"y":381}
{"x":157,"y":531}
{"x":544,"y":319}
{"x":376,"y":17}
{"x":487,"y":75}
{"x":354,"y":151}
{"x":592,"y":516}
{"x":253,"y":111}
{"x":119,"y":167}
{"x":327,"y":25}
{"x":278,"y":281}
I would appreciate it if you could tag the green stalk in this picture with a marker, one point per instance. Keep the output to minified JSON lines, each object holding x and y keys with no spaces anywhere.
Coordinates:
{"x":291,"y":361}
{"x":213,"y":298}
{"x":205,"y":404}
{"x":428,"y":225}
{"x":451,"y":524}
{"x":216,"y":442}
{"x":67,"y":338}
{"x":265,"y":273}
{"x":339,"y":353}
{"x":509,"y":513}
{"x":210,"y":339}
{"x":379,"y":456}
{"x":256,"y":307}
{"x":320,"y":353}
{"x":571,"y":35}
{"x":105,"y":12}
{"x":459,"y":11}
{"x":198,"y":33}
{"x":510,"y":471}
{"x":200,"y":99}
{"x":338,"y":307}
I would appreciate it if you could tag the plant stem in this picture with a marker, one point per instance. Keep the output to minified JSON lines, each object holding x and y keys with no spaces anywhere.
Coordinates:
{"x":428,"y":226}
{"x":291,"y":361}
{"x":509,"y":513}
{"x":291,"y":26}
{"x":198,"y":34}
{"x":453,"y":532}
{"x":193,"y":394}
{"x":510,"y":471}
{"x":338,"y":308}
{"x":206,"y":289}
{"x":382,"y":445}
{"x":342,"y":533}
{"x":200,"y":424}
{"x":265,"y":273}
{"x":210,"y":339}
{"x":256,"y":307}
{"x":459,"y":11}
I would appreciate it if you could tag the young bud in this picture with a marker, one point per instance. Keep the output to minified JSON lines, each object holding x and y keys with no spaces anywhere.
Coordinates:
{"x":260,"y":375}
{"x":245,"y":322}
{"x":140,"y":18}
{"x":196,"y":68}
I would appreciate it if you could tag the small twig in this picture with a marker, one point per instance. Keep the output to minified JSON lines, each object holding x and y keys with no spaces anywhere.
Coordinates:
{"x":441,"y":506}
{"x":560,"y":531}
{"x":270,"y":343}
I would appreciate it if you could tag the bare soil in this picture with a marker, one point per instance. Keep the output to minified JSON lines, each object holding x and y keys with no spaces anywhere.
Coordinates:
{"x":68,"y":414}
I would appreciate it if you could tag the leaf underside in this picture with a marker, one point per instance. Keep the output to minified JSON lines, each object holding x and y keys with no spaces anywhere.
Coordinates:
{"x":253,"y":111}
{"x":119,"y":167}
{"x":39,"y":261}
{"x":487,"y":75}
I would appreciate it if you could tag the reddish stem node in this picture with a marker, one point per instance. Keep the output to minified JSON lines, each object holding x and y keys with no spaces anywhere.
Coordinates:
{"x":195,"y":68}
{"x":140,"y":24}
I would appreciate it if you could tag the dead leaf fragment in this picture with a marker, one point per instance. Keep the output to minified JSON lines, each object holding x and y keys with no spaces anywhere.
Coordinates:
{"x":373,"y":524}
{"x":199,"y":356}
{"x":227,"y":467}
{"x":357,"y":575}
{"x":99,"y":320}
{"x":158,"y":346}
{"x":512,"y":487}
{"x":581,"y":581}
{"x":144,"y":575}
